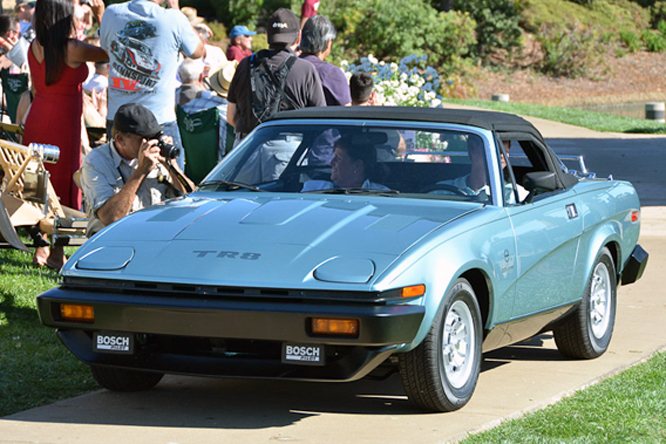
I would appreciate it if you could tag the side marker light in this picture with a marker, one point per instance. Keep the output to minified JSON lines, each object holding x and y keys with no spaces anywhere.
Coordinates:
{"x":413,"y":291}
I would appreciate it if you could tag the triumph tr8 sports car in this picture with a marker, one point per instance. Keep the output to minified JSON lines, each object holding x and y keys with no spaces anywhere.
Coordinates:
{"x":335,"y":240}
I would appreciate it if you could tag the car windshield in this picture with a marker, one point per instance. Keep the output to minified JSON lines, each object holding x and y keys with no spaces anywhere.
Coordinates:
{"x":353,"y":159}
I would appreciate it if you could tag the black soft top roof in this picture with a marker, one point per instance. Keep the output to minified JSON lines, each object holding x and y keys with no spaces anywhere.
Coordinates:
{"x":490,"y":120}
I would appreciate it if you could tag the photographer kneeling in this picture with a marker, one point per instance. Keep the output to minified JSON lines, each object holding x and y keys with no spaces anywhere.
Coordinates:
{"x":136,"y":169}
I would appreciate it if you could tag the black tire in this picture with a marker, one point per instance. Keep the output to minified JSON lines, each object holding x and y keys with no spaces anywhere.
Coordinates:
{"x":122,"y":380}
{"x":440,"y":374}
{"x":586,"y":333}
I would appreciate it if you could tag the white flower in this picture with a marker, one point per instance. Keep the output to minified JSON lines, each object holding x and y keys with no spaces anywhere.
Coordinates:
{"x":403,"y":84}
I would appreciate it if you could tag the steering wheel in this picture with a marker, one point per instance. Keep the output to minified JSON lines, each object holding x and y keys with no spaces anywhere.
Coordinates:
{"x":444,"y":187}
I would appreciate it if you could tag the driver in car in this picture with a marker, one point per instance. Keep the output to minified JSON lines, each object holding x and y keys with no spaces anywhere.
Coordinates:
{"x":353,"y":166}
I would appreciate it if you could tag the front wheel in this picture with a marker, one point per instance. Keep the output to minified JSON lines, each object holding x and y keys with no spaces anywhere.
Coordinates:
{"x":441,"y":373}
{"x":587,"y":332}
{"x":123,"y":380}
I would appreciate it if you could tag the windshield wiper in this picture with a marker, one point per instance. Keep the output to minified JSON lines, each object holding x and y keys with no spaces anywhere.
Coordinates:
{"x":233,"y":185}
{"x":378,"y":191}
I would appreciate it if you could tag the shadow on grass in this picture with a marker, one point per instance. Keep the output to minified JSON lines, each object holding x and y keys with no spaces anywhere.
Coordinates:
{"x":646,"y":130}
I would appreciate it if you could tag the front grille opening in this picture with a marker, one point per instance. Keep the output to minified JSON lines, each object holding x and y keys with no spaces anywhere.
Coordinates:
{"x":165,"y":289}
{"x":184,"y":288}
{"x":145,"y":286}
{"x":274,"y":292}
{"x":230,"y":290}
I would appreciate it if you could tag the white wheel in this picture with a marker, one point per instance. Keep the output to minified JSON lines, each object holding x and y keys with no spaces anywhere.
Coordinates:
{"x":600,"y":300}
{"x":458,"y":344}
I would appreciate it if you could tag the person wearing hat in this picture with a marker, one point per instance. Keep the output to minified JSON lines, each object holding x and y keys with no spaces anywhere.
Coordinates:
{"x":241,"y":43}
{"x":192,"y":15}
{"x":25,"y":9}
{"x":129,"y":173}
{"x":302,"y":86}
{"x":217,"y":98}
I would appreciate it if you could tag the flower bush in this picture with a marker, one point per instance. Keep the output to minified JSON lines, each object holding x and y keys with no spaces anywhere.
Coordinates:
{"x":408,"y":83}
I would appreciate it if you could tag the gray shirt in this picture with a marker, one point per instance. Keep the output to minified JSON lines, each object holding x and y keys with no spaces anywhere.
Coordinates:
{"x":104,"y":172}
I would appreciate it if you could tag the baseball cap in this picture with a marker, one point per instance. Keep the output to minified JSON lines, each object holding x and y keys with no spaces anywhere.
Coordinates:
{"x":222,"y":76}
{"x":283,"y":27}
{"x":240,"y":30}
{"x":24,"y":2}
{"x":134,"y":118}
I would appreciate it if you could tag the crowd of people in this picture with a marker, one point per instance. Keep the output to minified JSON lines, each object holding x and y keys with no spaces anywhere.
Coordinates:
{"x":132,"y":68}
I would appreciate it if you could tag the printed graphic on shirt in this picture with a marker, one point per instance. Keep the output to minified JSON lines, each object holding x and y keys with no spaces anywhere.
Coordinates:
{"x":134,"y":66}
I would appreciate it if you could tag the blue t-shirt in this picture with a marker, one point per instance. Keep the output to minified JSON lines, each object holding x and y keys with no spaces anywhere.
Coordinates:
{"x":143,"y":41}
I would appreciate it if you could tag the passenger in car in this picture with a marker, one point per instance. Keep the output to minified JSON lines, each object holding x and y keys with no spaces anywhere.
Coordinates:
{"x":508,"y":193}
{"x":354,"y":165}
{"x":476,"y":182}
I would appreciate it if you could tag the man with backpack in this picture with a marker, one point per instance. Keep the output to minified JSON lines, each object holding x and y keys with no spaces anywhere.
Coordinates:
{"x":273,"y":80}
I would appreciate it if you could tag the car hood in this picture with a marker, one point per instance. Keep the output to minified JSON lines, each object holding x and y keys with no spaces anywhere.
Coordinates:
{"x":259,"y":240}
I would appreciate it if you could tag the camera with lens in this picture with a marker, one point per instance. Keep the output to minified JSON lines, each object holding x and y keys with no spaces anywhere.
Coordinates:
{"x":167,"y":150}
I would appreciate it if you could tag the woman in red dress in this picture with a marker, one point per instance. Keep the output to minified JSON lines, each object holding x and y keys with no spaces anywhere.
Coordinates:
{"x":58,"y":68}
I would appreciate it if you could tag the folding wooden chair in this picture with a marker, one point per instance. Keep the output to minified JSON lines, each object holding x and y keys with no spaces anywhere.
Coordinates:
{"x":29,"y":199}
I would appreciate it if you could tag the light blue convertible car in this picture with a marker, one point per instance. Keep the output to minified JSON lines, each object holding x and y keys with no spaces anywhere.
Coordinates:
{"x":334,"y":241}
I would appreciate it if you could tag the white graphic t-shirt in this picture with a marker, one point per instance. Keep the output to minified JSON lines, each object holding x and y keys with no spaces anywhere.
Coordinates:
{"x":143,"y":41}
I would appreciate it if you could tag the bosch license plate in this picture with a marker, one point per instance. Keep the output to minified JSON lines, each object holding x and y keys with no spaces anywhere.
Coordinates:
{"x":303,"y":354}
{"x":110,"y":342}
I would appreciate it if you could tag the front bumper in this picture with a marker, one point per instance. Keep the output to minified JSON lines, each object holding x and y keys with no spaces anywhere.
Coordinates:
{"x":235,"y":338}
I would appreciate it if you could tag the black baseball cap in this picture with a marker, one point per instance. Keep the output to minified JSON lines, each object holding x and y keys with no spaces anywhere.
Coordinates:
{"x":283,"y":27}
{"x":135,"y":118}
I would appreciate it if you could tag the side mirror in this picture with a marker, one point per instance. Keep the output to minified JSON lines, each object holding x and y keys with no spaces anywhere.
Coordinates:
{"x":539,"y":182}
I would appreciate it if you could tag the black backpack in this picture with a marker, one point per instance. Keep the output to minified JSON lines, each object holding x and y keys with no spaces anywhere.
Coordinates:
{"x":267,"y":87}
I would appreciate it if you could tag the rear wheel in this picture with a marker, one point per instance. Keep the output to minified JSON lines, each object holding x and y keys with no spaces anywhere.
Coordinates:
{"x":587,"y":332}
{"x":123,"y":380}
{"x":441,"y":373}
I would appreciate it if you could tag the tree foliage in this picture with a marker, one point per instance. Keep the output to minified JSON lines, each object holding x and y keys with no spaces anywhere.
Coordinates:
{"x":497,"y":25}
{"x":391,"y":30}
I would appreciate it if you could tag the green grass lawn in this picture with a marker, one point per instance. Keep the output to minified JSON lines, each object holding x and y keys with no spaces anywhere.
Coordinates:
{"x":628,"y":408}
{"x":587,"y":119}
{"x":35,"y":368}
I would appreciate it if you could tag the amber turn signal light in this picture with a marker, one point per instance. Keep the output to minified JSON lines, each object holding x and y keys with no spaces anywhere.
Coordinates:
{"x":635,"y":216}
{"x":77,"y":313}
{"x":413,"y":291}
{"x":335,"y":327}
